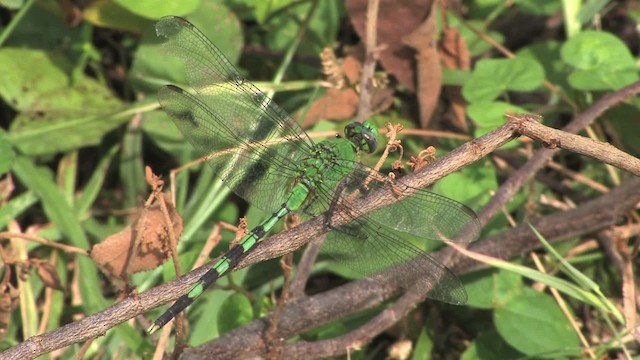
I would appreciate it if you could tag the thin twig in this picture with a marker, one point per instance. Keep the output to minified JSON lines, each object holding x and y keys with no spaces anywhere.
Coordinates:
{"x":371,"y":57}
{"x":553,"y":138}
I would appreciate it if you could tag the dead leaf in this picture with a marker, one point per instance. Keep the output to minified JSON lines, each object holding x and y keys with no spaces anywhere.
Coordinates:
{"x":9,"y":299}
{"x":153,"y":248}
{"x":47,"y":273}
{"x":454,"y":55}
{"x":6,"y":188}
{"x":429,"y":70}
{"x":396,"y":20}
{"x":340,"y":104}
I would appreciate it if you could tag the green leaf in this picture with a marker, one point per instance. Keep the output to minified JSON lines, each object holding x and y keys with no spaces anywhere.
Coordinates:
{"x":547,"y":53}
{"x":474,"y":43}
{"x":539,"y":7}
{"x":533,"y":324}
{"x":492,"y":77}
{"x":424,"y":346}
{"x":16,"y":207}
{"x":7,"y":155}
{"x":492,"y":288}
{"x":478,"y":180}
{"x":155,"y":9}
{"x":322,"y":30}
{"x":489,"y":115}
{"x":600,"y":60}
{"x":234,"y":312}
{"x":163,"y":132}
{"x":109,"y":14}
{"x":55,"y":114}
{"x":264,"y":9}
{"x":488,"y":345}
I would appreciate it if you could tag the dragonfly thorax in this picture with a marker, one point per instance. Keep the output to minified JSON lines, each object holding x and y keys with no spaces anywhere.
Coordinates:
{"x":330,"y":161}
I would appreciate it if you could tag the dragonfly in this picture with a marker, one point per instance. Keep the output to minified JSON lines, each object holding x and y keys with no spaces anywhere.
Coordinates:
{"x":264,"y":156}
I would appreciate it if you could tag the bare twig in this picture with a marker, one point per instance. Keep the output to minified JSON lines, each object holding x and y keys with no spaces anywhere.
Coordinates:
{"x":371,"y":56}
{"x":512,"y":185}
{"x":553,"y":138}
{"x":310,"y":312}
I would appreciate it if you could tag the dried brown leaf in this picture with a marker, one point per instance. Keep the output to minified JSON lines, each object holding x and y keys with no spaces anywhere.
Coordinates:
{"x":423,"y":41}
{"x":153,"y":249}
{"x":48,"y":274}
{"x":454,"y":55}
{"x":9,"y":298}
{"x":396,"y":20}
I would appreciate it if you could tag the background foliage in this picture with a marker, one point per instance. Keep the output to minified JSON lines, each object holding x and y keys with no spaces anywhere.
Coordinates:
{"x":80,"y":122}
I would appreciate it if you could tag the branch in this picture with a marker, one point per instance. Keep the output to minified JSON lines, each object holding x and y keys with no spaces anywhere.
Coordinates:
{"x":275,"y":246}
{"x":314,"y":311}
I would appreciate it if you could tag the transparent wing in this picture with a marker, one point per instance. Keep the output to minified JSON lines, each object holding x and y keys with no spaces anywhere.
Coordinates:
{"x":418,"y":212}
{"x":369,"y":243}
{"x":369,"y":248}
{"x":251,"y":142}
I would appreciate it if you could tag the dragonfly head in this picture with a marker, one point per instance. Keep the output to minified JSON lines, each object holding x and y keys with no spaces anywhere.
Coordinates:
{"x":364,"y":136}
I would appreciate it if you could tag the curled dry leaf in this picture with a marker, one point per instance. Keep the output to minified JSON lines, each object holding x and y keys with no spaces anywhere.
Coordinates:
{"x":149,"y":230}
{"x":396,"y":20}
{"x":9,"y":297}
{"x":341,"y":102}
{"x":48,"y":274}
{"x":454,"y":55}
{"x":429,"y":79}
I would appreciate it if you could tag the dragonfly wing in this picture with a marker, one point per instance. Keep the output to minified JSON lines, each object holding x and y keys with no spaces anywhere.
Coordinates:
{"x":369,"y":248}
{"x":251,"y":142}
{"x":412,"y":210}
{"x":258,"y":173}
{"x":380,"y":239}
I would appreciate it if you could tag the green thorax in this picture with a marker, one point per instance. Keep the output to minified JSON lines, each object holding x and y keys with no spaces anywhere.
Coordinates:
{"x":329,"y":162}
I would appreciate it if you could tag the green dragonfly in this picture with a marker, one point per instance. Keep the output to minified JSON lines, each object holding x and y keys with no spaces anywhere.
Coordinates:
{"x":262,"y":154}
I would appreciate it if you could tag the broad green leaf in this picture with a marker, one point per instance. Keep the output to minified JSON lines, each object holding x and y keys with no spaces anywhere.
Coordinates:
{"x":155,"y":9}
{"x":164,"y":133}
{"x":110,"y":14}
{"x":44,"y":27}
{"x":547,"y":54}
{"x":30,"y":74}
{"x":488,"y":345}
{"x":474,"y":43}
{"x":539,"y":7}
{"x":55,"y":114}
{"x":533,"y":323}
{"x":7,"y":155}
{"x":488,"y":289}
{"x":492,"y":77}
{"x":264,"y":9}
{"x":235,"y":311}
{"x":470,"y":185}
{"x":489,"y":115}
{"x":601,"y":61}
{"x":322,"y":30}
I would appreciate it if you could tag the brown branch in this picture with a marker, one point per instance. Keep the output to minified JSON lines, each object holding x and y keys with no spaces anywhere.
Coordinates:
{"x":275,"y":246}
{"x":525,"y":173}
{"x":313,"y":311}
{"x":597,"y":214}
{"x":553,"y":138}
{"x":370,"y":59}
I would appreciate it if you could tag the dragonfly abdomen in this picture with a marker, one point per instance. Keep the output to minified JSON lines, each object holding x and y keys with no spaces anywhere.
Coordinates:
{"x":231,"y":258}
